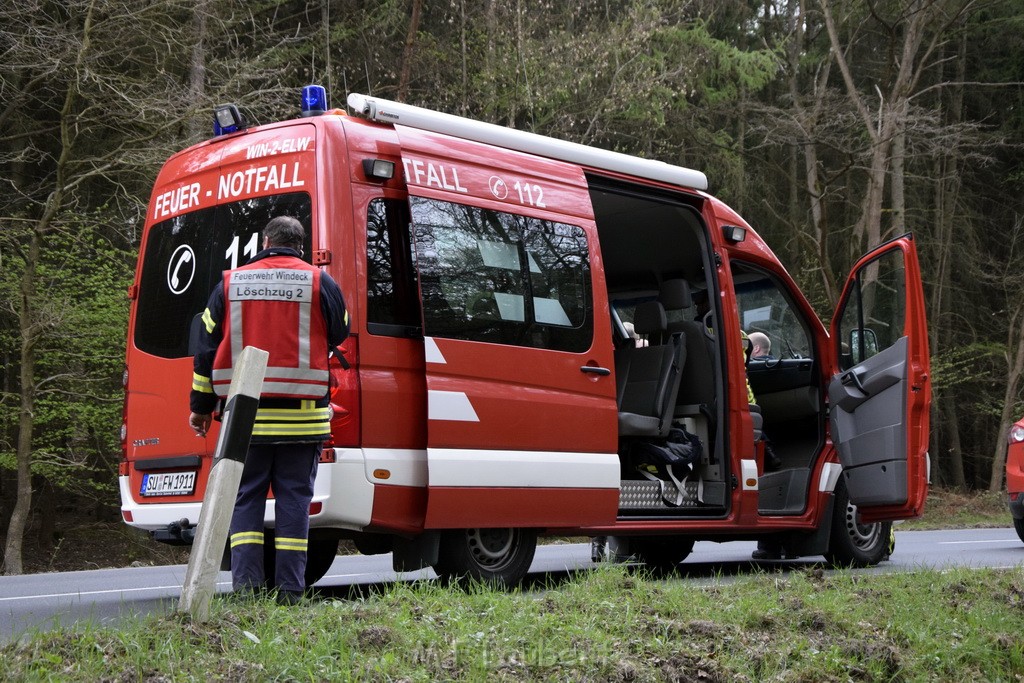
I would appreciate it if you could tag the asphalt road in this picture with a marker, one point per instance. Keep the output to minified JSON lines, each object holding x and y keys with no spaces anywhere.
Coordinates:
{"x":102,"y":597}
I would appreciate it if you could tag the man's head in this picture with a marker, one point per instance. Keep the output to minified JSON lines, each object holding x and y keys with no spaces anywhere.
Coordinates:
{"x":284,"y":231}
{"x":760,"y":343}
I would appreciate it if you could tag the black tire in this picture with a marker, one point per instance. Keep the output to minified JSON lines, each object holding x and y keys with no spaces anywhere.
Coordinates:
{"x":500,"y":557}
{"x":852,"y":544}
{"x":319,"y":556}
{"x":662,"y":554}
{"x":1018,"y":524}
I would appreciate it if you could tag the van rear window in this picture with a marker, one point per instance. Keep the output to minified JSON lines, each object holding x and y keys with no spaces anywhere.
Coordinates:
{"x":186,"y":255}
{"x":503,"y":278}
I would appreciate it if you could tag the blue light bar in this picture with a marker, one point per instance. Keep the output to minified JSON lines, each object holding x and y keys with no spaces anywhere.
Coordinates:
{"x":314,"y":100}
{"x":227,"y":119}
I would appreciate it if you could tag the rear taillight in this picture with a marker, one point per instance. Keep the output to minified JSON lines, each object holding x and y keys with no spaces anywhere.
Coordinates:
{"x":345,"y":397}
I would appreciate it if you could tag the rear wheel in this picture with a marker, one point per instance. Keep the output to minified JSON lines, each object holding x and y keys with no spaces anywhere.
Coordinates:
{"x":495,"y":556}
{"x":662,"y":554}
{"x":1018,"y":524}
{"x":852,"y":544}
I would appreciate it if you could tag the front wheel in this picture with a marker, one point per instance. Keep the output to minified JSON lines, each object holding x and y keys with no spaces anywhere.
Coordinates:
{"x":852,"y":544}
{"x":1018,"y":524}
{"x":499,"y":557}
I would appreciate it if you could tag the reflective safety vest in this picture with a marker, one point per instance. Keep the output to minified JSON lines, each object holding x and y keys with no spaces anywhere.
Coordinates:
{"x":274,"y":305}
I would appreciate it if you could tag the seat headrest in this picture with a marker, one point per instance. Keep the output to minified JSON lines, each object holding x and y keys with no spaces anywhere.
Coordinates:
{"x":649,"y":318}
{"x":675,"y":294}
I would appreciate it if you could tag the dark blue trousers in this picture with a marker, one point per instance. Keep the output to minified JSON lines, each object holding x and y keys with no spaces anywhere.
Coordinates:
{"x":290,"y":468}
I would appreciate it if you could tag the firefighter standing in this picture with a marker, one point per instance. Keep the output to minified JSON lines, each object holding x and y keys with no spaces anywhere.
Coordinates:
{"x":281,"y":304}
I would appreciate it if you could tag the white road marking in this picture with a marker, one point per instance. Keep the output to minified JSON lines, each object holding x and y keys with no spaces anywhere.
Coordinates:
{"x":78,"y":594}
{"x":1001,"y":540}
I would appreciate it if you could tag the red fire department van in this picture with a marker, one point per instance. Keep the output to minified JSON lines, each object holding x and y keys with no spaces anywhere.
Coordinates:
{"x":547,"y":339}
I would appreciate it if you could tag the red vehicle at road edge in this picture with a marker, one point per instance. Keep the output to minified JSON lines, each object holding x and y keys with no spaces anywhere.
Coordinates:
{"x":496,"y":393}
{"x":1015,"y":475}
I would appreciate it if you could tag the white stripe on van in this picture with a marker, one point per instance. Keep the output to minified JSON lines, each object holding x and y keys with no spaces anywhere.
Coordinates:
{"x":531,"y":469}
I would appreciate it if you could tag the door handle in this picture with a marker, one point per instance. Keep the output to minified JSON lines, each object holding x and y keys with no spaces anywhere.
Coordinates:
{"x":596,"y":370}
{"x":854,"y":379}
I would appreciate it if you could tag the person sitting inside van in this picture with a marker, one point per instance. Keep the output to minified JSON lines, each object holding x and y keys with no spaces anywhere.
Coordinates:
{"x":761,"y":346}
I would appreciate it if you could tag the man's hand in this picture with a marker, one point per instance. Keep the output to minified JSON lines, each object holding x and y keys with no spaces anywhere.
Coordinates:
{"x":200,"y":423}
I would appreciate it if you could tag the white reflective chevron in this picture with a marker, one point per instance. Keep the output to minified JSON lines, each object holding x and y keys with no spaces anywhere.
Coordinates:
{"x":454,"y":406}
{"x":432,"y":353}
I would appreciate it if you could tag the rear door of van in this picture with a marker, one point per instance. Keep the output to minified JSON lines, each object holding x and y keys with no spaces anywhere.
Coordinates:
{"x":521,"y":400}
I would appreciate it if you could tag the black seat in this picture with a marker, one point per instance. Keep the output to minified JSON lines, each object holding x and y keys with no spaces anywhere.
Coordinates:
{"x":697,"y":386}
{"x":647,"y":377}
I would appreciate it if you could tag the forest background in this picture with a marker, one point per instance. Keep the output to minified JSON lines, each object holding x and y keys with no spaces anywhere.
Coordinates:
{"x":831,"y":125}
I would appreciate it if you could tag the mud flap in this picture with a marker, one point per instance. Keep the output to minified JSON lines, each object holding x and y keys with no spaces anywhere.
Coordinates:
{"x":418,"y":552}
{"x":813,"y":543}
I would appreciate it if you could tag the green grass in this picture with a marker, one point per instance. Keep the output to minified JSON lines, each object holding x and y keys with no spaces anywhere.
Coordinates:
{"x":947,"y":509}
{"x":608,"y":624}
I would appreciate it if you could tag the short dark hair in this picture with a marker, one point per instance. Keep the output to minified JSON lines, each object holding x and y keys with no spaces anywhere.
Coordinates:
{"x":285,"y":231}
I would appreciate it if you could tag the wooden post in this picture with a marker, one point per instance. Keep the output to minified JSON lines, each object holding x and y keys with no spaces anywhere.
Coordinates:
{"x":222,"y":485}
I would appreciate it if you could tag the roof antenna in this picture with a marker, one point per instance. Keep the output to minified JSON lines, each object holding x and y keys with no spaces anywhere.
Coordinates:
{"x":369,"y":88}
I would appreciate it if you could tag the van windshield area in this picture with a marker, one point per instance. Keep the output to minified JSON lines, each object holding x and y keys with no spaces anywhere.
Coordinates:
{"x":186,"y":256}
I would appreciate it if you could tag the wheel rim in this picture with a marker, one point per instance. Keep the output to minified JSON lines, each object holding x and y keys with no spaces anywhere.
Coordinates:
{"x":493,"y":549}
{"x":864,"y":536}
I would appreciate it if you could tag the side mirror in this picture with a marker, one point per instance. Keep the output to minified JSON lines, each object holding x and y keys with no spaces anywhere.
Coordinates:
{"x":863,"y":344}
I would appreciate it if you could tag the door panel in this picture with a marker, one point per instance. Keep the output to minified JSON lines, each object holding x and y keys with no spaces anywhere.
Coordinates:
{"x":879,"y":394}
{"x":513,"y":309}
{"x":868,"y":429}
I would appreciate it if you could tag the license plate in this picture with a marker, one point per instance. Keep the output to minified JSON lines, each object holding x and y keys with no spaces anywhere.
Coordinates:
{"x":169,"y":484}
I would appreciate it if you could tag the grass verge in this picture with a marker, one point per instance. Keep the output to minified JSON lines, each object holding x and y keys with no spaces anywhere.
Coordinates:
{"x":609,"y":624}
{"x":949,"y":509}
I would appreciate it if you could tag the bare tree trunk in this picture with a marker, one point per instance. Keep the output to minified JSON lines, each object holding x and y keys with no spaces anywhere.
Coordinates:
{"x":954,"y":450}
{"x":28,"y":314}
{"x":197,"y":69}
{"x":947,"y":189}
{"x":899,"y":202}
{"x":29,"y":335}
{"x":465,"y":58}
{"x":808,"y":120}
{"x":409,"y":52}
{"x":892,"y":108}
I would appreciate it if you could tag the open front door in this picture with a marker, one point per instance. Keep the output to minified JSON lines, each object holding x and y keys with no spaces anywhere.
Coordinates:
{"x":521,"y":402}
{"x":880,"y":394}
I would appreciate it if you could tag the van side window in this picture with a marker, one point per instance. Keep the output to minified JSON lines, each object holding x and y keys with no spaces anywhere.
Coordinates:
{"x":392,"y":307}
{"x":503,"y":278}
{"x":873,"y":315}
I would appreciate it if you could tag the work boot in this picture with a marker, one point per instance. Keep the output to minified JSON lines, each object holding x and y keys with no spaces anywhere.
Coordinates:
{"x":288,"y":598}
{"x":768,"y":550}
